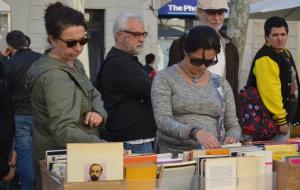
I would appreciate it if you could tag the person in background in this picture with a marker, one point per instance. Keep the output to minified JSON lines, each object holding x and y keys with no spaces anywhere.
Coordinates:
{"x":187,"y":102}
{"x":21,"y":58}
{"x":7,"y":172}
{"x":149,"y":67}
{"x":274,"y":74}
{"x":66,"y":106}
{"x":126,"y":87}
{"x":212,"y":13}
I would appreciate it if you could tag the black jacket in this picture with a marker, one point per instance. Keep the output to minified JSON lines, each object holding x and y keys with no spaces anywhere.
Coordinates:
{"x":16,"y":68}
{"x":6,"y":124}
{"x":126,"y":90}
{"x":284,"y":61}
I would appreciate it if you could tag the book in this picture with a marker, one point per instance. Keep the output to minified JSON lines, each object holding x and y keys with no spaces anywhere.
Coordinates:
{"x":295,"y":141}
{"x":54,"y":157}
{"x":139,"y":158}
{"x":246,"y":173}
{"x":140,"y":171}
{"x":139,"y":175}
{"x":177,"y":176}
{"x":220,"y":173}
{"x":89,"y":162}
{"x":196,"y":153}
{"x":200,"y":167}
{"x":218,"y":151}
{"x":168,"y":160}
{"x":164,"y":155}
{"x":185,"y":155}
{"x":268,"y":161}
{"x":282,"y":155}
{"x":295,"y":161}
{"x":282,"y":148}
{"x":231,"y":145}
{"x":244,"y":148}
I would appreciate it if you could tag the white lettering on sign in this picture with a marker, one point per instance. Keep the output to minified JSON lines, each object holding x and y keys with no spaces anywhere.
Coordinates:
{"x":189,"y":8}
{"x":184,"y":8}
{"x":175,"y":8}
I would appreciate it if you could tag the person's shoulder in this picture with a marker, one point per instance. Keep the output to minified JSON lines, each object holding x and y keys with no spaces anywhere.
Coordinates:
{"x":223,"y":81}
{"x":168,"y":72}
{"x":36,"y":53}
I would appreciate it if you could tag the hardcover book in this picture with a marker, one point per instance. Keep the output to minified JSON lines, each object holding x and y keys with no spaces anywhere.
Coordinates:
{"x":177,"y":176}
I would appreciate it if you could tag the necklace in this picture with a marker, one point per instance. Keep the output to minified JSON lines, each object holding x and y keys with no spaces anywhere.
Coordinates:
{"x":195,"y":79}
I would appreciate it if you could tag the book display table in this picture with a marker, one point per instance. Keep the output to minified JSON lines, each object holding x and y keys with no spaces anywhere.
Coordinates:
{"x":265,"y":182}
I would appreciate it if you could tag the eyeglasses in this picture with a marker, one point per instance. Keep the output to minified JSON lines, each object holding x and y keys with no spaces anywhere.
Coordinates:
{"x":206,"y":62}
{"x":72,"y":43}
{"x":136,"y":34}
{"x":215,"y":11}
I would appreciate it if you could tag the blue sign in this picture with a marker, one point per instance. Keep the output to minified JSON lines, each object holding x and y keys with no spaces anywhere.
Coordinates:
{"x":178,"y":9}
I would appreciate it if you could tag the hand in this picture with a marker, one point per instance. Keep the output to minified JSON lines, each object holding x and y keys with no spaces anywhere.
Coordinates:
{"x":207,"y":140}
{"x":10,"y":176}
{"x":13,"y":159}
{"x":93,"y":119}
{"x":230,"y":140}
{"x":7,"y":52}
{"x":284,"y":129}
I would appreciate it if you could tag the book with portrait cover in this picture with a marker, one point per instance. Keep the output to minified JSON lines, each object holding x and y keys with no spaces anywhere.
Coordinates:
{"x":91,"y":162}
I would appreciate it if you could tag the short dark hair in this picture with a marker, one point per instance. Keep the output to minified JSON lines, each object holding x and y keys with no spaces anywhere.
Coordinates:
{"x":150,"y":57}
{"x":277,"y":22}
{"x":91,"y":166}
{"x":59,"y":17}
{"x":17,"y":39}
{"x":201,"y":37}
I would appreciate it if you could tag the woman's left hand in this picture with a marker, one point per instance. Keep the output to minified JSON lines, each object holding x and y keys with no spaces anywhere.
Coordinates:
{"x":93,"y":119}
{"x":230,"y":140}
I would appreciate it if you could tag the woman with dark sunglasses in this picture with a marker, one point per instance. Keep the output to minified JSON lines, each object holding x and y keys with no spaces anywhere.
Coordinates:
{"x":194,"y":108}
{"x":66,"y":106}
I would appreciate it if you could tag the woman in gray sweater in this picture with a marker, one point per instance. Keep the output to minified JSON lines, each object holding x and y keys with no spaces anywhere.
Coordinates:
{"x":186,"y":102}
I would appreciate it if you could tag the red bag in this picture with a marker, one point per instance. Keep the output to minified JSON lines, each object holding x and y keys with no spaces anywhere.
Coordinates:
{"x":256,"y":119}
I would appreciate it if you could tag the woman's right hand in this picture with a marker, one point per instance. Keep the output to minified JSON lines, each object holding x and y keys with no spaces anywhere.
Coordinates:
{"x":207,"y":140}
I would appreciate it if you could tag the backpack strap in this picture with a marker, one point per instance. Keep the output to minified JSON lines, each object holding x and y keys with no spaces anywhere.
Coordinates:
{"x":220,"y":95}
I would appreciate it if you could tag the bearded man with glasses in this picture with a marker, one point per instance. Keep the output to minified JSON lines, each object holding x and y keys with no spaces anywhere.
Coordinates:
{"x":126,"y":87}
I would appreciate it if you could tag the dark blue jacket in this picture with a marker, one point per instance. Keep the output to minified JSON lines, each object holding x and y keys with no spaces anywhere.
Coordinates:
{"x":6,"y":124}
{"x":16,"y":68}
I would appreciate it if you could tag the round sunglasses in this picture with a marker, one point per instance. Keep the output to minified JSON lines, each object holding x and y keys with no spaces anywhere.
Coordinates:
{"x":72,"y":43}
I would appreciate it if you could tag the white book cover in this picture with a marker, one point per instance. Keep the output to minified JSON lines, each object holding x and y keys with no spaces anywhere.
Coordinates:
{"x":220,"y":173}
{"x":177,"y":176}
{"x":89,"y":162}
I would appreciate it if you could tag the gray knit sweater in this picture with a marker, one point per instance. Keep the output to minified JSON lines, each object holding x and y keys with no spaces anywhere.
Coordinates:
{"x":179,"y":106}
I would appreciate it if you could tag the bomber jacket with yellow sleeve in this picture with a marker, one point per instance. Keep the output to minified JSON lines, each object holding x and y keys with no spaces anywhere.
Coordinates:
{"x":275,"y":75}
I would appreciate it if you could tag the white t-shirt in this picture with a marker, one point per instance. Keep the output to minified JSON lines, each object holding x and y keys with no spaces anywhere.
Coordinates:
{"x":219,"y":68}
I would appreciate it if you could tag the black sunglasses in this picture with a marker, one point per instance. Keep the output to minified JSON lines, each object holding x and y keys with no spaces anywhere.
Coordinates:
{"x":206,"y":62}
{"x":72,"y":43}
{"x":136,"y":34}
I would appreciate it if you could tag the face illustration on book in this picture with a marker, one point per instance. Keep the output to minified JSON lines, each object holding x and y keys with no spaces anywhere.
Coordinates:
{"x":95,"y":172}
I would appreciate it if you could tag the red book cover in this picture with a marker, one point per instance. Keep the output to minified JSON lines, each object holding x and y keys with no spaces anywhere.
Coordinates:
{"x":142,"y":158}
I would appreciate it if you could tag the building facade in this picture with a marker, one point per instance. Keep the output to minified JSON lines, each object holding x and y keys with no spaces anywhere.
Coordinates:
{"x":27,"y":16}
